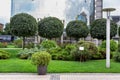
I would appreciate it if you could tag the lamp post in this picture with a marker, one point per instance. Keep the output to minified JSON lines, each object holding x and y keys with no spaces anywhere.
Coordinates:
{"x":108,"y":10}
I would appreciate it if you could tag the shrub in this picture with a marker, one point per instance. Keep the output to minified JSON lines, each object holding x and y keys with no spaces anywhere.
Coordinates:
{"x":102,"y":51}
{"x":91,"y":47}
{"x":18,"y":43}
{"x":81,"y":56}
{"x":27,"y":53}
{"x":116,"y":56}
{"x":3,"y":44}
{"x":4,"y":54}
{"x":41,"y":58}
{"x":113,"y":45}
{"x":119,"y":46}
{"x":48,"y":44}
{"x":62,"y":53}
{"x":29,"y":45}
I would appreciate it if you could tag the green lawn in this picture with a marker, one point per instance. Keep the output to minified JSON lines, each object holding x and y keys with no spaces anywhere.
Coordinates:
{"x":24,"y":66}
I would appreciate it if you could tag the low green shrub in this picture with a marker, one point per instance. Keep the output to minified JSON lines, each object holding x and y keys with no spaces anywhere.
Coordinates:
{"x":102,"y":52}
{"x":27,"y":53}
{"x":3,"y":44}
{"x":4,"y":54}
{"x":48,"y":44}
{"x":81,"y":56}
{"x":119,"y":45}
{"x":29,"y":45}
{"x":116,"y":56}
{"x":41,"y":58}
{"x":62,"y":53}
{"x":113,"y":45}
{"x":18,"y":43}
{"x":89,"y":47}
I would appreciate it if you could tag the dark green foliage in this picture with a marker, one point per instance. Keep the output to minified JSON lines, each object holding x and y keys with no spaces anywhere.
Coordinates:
{"x":102,"y":52}
{"x":113,"y":45}
{"x":18,"y":43}
{"x":29,"y":45}
{"x":119,"y":31}
{"x":62,"y":53}
{"x":89,"y":51}
{"x":77,"y":29}
{"x":4,"y":54}
{"x":116,"y":56}
{"x":7,"y":29}
{"x":98,"y":29}
{"x":50,"y":27}
{"x":119,"y":46}
{"x":23,"y":25}
{"x":41,"y":58}
{"x":81,"y":56}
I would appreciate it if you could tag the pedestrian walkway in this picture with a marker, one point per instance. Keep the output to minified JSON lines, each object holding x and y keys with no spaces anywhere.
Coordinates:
{"x":64,"y":76}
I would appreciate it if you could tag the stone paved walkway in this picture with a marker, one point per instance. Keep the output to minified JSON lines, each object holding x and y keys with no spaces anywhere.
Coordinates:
{"x":67,"y":76}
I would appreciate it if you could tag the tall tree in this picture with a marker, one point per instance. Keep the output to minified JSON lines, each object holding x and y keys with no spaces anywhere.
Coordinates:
{"x":77,"y":29}
{"x":23,"y":25}
{"x":98,"y":29}
{"x":50,"y":27}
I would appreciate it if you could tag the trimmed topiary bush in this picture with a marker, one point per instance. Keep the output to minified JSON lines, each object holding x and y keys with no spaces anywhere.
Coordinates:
{"x":4,"y":54}
{"x":50,"y":27}
{"x":77,"y":29}
{"x":98,"y":29}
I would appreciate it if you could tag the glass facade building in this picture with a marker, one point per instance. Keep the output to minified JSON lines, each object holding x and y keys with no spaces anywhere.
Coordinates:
{"x":85,"y":10}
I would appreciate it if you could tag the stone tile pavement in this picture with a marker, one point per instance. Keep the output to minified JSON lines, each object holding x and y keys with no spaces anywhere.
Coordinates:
{"x":60,"y":76}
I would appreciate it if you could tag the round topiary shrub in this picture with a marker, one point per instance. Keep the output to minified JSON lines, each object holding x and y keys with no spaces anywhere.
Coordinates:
{"x":50,"y":27}
{"x":4,"y":54}
{"x":77,"y":29}
{"x":98,"y":29}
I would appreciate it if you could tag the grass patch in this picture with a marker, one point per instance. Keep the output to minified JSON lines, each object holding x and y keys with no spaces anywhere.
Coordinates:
{"x":24,"y":66}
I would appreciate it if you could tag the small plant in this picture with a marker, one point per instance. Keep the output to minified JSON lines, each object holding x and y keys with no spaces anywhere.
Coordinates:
{"x":3,"y":44}
{"x":18,"y":43}
{"x":4,"y":54}
{"x":41,"y":59}
{"x":116,"y":56}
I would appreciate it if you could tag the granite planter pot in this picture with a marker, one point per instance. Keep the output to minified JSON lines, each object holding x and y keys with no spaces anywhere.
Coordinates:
{"x":42,"y":70}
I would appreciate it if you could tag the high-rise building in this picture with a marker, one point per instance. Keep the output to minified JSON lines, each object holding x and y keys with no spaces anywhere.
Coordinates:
{"x":98,"y":9}
{"x":86,"y":10}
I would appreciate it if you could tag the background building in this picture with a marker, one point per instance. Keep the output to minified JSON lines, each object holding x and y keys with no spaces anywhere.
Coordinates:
{"x":86,"y":10}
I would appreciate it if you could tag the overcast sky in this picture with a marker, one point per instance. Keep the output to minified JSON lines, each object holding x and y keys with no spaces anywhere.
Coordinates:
{"x":5,"y":8}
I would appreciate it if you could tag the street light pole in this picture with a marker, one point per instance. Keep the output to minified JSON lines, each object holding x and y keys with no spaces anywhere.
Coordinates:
{"x":108,"y":10}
